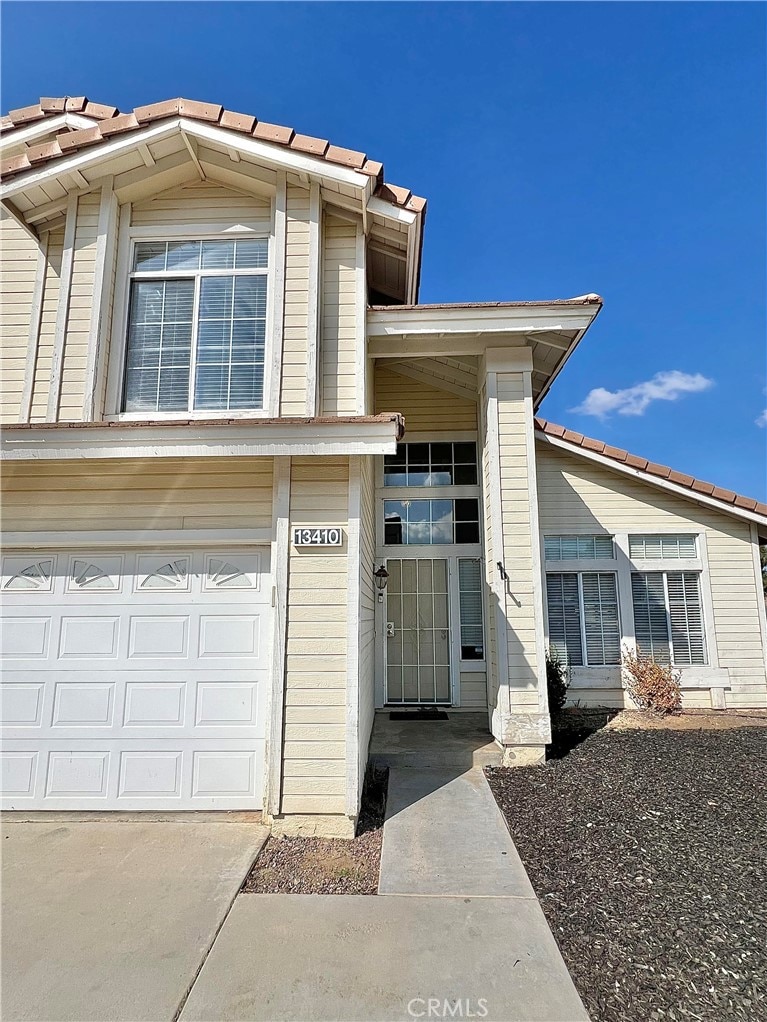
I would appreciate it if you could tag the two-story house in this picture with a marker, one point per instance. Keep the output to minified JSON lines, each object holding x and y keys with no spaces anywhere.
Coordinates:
{"x":254,"y":492}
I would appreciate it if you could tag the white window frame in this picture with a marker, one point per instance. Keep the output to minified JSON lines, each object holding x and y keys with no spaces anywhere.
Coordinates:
{"x":129,"y":237}
{"x":705,"y":675}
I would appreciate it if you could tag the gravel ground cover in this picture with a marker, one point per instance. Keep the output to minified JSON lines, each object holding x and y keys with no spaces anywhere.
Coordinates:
{"x":313,"y":865}
{"x":648,"y":851}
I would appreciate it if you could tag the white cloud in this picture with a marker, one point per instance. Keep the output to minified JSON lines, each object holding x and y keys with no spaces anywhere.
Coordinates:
{"x":762,"y":420}
{"x":666,"y":386}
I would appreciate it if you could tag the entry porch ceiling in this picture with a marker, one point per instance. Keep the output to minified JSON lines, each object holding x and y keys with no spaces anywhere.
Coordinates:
{"x":426,"y":339}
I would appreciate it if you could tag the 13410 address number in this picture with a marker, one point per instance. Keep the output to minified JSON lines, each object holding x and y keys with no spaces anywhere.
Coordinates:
{"x":330,"y":536}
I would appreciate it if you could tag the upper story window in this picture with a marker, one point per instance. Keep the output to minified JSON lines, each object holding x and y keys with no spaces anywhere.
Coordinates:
{"x":196,"y":326}
{"x":432,"y":464}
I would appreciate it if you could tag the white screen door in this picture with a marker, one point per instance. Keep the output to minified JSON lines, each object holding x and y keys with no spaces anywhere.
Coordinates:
{"x":418,"y":632}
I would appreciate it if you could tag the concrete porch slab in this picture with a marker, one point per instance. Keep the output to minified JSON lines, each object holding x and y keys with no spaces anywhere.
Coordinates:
{"x":459,"y":743}
{"x":444,"y":835}
{"x":331,"y":958}
{"x":112,"y":920}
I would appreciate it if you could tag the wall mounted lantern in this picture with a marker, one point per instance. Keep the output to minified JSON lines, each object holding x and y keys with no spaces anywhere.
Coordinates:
{"x":382,"y":577}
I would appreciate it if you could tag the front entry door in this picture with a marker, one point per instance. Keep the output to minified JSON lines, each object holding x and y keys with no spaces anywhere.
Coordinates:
{"x":418,"y":632}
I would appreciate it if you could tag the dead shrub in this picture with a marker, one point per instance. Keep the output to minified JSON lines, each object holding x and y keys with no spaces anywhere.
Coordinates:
{"x":652,"y":686}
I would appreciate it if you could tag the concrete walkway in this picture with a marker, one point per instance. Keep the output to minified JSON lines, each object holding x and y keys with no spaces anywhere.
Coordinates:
{"x":456,"y":931}
{"x":107,"y":920}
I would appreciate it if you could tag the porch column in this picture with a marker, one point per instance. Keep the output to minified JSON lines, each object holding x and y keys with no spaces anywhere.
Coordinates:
{"x":517,"y":695}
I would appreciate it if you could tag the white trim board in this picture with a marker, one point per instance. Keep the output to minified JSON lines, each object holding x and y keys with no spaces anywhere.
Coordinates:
{"x":646,"y":477}
{"x":102,"y":538}
{"x":261,"y":439}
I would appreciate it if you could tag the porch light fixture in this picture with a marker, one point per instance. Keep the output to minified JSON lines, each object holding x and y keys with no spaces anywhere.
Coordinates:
{"x":381,"y":575}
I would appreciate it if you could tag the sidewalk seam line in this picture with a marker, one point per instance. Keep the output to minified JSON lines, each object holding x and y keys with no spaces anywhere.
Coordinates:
{"x":206,"y":953}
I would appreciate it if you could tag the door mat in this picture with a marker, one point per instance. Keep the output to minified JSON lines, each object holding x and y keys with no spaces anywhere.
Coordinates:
{"x":423,"y":714}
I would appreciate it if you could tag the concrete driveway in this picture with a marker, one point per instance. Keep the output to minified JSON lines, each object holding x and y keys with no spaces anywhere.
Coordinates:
{"x":113,"y":920}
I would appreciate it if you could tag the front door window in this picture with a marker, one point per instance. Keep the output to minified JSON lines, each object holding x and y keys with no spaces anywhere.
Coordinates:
{"x":418,"y":632}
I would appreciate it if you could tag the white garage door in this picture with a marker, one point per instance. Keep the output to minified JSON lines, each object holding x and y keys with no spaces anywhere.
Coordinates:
{"x":134,"y":680}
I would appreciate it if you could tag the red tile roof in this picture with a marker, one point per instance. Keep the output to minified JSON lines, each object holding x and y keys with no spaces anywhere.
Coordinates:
{"x":586,"y":443}
{"x":110,"y":121}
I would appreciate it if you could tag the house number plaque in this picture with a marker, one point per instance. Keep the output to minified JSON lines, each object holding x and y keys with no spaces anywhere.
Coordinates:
{"x":327,"y":536}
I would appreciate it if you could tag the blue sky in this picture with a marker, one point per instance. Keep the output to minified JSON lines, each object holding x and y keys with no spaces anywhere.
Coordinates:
{"x":563,"y":148}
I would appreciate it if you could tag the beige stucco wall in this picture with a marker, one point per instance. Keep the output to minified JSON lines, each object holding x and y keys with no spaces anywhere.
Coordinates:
{"x":576,"y":494}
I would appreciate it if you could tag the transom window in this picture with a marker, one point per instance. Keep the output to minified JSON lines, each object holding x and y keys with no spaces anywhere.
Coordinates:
{"x":196,"y":326}
{"x":426,"y":522}
{"x":432,"y":464}
{"x":578,"y":548}
{"x":660,"y":547}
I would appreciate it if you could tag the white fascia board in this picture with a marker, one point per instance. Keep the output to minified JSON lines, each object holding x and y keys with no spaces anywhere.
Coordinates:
{"x":273,"y":156}
{"x":651,"y":480}
{"x":93,"y":155}
{"x":492,"y":319}
{"x":388,"y":209}
{"x":259,"y":440}
{"x":46,"y":126}
{"x":279,"y":157}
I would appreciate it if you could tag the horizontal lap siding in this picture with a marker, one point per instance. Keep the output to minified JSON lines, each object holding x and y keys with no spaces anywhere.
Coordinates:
{"x":47,"y":326}
{"x":138,"y":494}
{"x":295,"y":328}
{"x":18,"y":255}
{"x":473,"y":691}
{"x":339,"y":341}
{"x":200,"y":203}
{"x":426,"y":409}
{"x":577,"y":495}
{"x":315,"y":681}
{"x":80,"y":307}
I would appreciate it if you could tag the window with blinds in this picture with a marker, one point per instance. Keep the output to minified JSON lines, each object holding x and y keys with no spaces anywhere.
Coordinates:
{"x":584,"y":625}
{"x":470,"y":600}
{"x":578,"y":548}
{"x":668,"y":616}
{"x":660,"y":547}
{"x":196,"y":326}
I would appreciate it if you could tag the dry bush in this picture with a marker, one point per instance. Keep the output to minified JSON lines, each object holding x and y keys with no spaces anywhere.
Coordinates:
{"x":652,"y":686}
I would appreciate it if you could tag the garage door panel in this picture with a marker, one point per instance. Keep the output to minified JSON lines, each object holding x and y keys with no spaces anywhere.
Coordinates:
{"x":154,"y":704}
{"x":158,"y":775}
{"x":121,"y":667}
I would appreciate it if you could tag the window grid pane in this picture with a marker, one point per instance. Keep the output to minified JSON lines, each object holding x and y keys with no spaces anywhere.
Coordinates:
{"x":432,"y":464}
{"x":470,"y":600}
{"x":429,"y":522}
{"x":159,"y":346}
{"x":564,"y":612}
{"x":663,"y":547}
